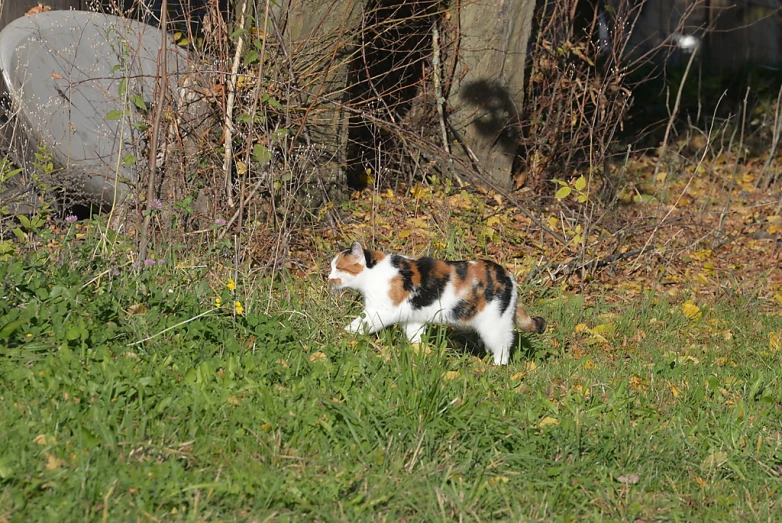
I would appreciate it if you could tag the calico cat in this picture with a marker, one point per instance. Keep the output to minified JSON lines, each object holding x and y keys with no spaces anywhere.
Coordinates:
{"x":480,"y":295}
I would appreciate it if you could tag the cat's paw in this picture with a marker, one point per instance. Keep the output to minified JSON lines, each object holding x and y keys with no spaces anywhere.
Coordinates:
{"x":355,"y":326}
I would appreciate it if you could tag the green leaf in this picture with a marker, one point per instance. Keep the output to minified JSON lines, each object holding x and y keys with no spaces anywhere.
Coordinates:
{"x":10,"y":327}
{"x":280,"y":133}
{"x":24,"y":220}
{"x":252,"y":57}
{"x":113,"y":115}
{"x":261,"y":154}
{"x":563,"y":193}
{"x":580,"y":184}
{"x":139,"y":102}
{"x":128,"y":160}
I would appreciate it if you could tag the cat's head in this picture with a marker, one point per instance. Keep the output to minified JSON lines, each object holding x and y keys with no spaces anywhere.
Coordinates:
{"x":347,"y":267}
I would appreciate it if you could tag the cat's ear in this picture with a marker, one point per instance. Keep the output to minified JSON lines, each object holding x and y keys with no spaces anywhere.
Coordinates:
{"x":358,"y":251}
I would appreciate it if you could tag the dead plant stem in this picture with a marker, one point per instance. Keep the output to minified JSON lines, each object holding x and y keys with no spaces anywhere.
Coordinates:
{"x":159,"y":108}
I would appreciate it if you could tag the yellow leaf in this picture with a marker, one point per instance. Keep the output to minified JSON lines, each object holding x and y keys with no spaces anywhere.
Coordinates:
{"x":518,"y":376}
{"x":530,"y":366}
{"x":241,"y":167}
{"x":590,"y":364}
{"x":553,"y":222}
{"x":548,"y":420}
{"x":491,"y":222}
{"x":563,"y":192}
{"x":692,"y":311}
{"x":603,"y":328}
{"x":43,"y":440}
{"x":661,"y":176}
{"x":53,"y":462}
{"x":778,"y":297}
{"x":702,"y":254}
{"x":317,"y":357}
{"x":266,"y":427}
{"x":700,"y":482}
{"x":404,"y":234}
{"x":580,"y":184}
{"x":451,"y":375}
{"x":674,"y":390}
{"x":233,"y":400}
{"x":774,"y":341}
{"x":581,"y":327}
{"x":498,"y":479}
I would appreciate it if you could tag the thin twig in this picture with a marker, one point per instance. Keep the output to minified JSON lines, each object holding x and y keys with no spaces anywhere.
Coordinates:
{"x":229,"y":109}
{"x":162,"y":84}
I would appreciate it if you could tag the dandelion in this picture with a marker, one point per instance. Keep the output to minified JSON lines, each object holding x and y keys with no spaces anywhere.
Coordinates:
{"x":231,"y":285}
{"x":219,"y":221}
{"x":71,"y":218}
{"x":218,"y":302}
{"x":238,"y":307}
{"x":149,"y":261}
{"x":156,"y":204}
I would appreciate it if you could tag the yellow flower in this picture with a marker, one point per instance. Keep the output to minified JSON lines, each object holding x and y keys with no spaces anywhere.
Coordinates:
{"x":238,"y":307}
{"x":218,"y":302}
{"x":231,"y":285}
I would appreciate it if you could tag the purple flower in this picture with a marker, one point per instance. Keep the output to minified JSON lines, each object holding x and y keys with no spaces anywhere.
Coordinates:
{"x":149,"y":261}
{"x":156,"y":204}
{"x":219,"y":221}
{"x":161,"y":262}
{"x":71,"y":218}
{"x":136,"y":264}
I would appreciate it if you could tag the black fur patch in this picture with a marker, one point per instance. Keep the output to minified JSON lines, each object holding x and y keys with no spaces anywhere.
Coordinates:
{"x":430,"y":287}
{"x":540,"y":324}
{"x":464,"y":311}
{"x":505,"y":289}
{"x":461,"y":268}
{"x":403,"y":266}
{"x":371,"y":261}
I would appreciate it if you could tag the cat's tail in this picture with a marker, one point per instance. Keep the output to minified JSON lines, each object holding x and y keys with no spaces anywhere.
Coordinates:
{"x":529,"y":323}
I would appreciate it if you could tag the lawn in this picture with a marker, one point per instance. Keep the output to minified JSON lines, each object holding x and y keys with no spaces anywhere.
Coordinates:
{"x":142,"y":394}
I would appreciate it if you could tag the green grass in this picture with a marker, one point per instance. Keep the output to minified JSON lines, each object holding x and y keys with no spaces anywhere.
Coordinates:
{"x":283,"y":416}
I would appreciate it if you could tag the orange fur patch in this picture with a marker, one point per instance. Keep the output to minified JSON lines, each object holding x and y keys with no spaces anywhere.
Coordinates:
{"x":347,"y":263}
{"x":396,"y":292}
{"x":335,"y":281}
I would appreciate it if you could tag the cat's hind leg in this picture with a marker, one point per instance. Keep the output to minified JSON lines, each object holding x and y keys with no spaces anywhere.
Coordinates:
{"x":498,"y":340}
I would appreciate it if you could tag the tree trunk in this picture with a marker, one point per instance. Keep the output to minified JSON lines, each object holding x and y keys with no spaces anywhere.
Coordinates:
{"x":488,"y":89}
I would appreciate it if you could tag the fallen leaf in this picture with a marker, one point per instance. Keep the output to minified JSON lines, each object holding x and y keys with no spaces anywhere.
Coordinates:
{"x":548,"y":420}
{"x":53,"y":462}
{"x":317,"y":356}
{"x":451,"y":375}
{"x":40,"y":8}
{"x":630,"y":479}
{"x":43,"y":440}
{"x":692,"y":311}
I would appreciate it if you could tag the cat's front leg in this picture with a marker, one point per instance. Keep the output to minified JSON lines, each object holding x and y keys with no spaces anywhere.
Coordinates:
{"x":357,"y":325}
{"x":413,"y":331}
